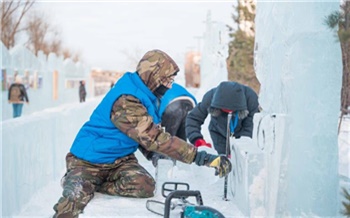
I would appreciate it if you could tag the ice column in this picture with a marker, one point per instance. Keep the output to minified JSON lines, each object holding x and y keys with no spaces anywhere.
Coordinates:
{"x":298,"y":63}
{"x":214,"y":54}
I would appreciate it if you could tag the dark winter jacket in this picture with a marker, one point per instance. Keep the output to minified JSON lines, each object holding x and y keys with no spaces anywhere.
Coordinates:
{"x":17,"y":94}
{"x":82,"y":90}
{"x":228,"y":95}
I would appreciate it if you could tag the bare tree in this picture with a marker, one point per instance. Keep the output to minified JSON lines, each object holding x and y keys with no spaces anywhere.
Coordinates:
{"x":68,"y":53}
{"x":12,"y":13}
{"x":76,"y":56}
{"x":42,"y":35}
{"x":37,"y":29}
{"x":56,"y":42}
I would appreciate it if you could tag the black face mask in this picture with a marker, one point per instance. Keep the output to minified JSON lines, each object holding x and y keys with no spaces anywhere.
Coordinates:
{"x":160,"y":91}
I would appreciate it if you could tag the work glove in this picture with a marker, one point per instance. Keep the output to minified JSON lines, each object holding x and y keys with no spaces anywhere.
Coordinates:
{"x":221,"y":163}
{"x":201,"y":142}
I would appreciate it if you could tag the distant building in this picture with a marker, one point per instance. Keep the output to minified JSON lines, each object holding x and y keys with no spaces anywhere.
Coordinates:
{"x":192,"y":69}
{"x":102,"y":80}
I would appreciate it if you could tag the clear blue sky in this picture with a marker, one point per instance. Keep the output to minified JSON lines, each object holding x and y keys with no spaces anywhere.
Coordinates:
{"x":112,"y":35}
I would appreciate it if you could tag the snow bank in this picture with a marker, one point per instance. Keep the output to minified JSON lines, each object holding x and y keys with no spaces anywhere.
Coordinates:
{"x":34,"y":148}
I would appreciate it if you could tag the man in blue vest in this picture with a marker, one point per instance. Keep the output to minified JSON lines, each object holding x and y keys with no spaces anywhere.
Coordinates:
{"x":102,"y":155}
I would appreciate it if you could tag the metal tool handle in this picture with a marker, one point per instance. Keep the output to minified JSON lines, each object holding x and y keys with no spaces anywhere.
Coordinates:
{"x":228,"y":134}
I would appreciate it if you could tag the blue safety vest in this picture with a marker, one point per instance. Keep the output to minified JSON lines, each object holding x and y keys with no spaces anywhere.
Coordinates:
{"x":99,"y":141}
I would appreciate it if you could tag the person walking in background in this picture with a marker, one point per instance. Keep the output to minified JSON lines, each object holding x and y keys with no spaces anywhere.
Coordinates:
{"x":17,"y":95}
{"x":82,"y":91}
{"x":227,"y":97}
{"x":174,"y":107}
{"x":102,"y":155}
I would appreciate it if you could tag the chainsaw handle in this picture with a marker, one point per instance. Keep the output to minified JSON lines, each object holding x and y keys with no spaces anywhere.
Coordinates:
{"x":176,"y":185}
{"x":181,"y":194}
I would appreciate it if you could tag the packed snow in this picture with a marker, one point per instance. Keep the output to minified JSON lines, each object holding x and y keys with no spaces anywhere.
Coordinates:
{"x":291,"y":167}
{"x":199,"y":178}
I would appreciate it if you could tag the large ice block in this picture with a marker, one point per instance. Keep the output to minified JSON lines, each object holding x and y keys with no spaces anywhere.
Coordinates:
{"x":298,"y":63}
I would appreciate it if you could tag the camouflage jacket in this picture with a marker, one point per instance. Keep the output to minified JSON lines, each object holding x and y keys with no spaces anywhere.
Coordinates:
{"x":138,"y":125}
{"x":154,"y":68}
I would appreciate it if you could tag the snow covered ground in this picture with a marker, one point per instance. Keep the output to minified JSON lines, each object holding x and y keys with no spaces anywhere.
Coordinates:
{"x":285,"y":65}
{"x":199,"y":178}
{"x":344,"y":147}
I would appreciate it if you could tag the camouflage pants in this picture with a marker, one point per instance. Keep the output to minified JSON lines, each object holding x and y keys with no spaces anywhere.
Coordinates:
{"x":125,"y":177}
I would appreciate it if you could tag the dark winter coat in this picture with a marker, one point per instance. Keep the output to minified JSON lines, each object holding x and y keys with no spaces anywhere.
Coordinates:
{"x":82,"y":91}
{"x":17,"y":94}
{"x":228,"y":95}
